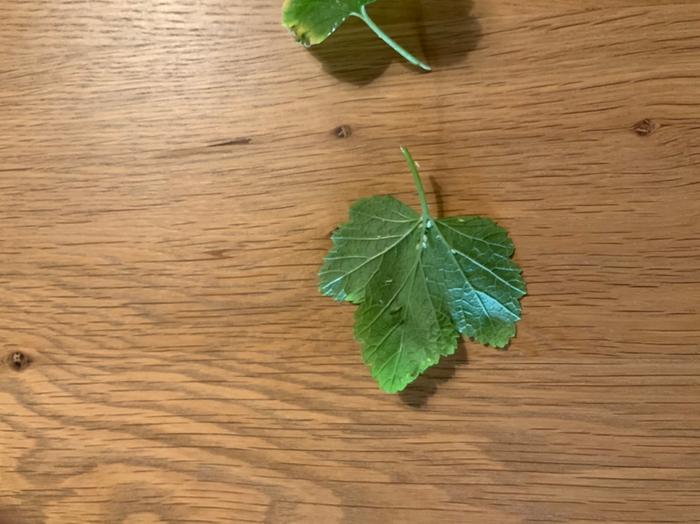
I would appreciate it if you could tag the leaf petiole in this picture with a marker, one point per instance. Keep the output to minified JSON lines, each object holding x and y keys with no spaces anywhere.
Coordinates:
{"x":389,"y":41}
{"x":419,"y":184}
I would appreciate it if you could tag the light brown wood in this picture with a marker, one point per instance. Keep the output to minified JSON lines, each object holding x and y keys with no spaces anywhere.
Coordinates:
{"x":169,"y":176}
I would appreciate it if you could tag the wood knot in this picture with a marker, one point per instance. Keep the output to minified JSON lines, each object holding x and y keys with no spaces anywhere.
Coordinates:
{"x":343,"y":131}
{"x":645,"y":127}
{"x":18,"y":360}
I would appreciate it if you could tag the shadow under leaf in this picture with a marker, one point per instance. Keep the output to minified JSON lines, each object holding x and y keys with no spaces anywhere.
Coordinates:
{"x":437,"y":192}
{"x":425,"y":386}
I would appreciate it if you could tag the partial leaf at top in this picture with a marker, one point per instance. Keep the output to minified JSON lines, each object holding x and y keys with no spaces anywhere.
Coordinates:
{"x":312,"y":21}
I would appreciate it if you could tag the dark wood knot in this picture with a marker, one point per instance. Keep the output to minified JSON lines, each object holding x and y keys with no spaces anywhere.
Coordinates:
{"x":343,"y":131}
{"x":18,"y":360}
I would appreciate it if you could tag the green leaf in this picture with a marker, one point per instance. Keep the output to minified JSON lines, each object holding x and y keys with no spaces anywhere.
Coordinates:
{"x":419,"y":282}
{"x":312,"y":21}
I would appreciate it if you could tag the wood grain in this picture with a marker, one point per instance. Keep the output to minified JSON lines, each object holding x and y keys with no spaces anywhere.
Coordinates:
{"x":169,"y":175}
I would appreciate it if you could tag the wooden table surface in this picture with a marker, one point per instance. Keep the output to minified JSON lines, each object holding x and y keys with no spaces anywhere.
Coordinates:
{"x":170,"y":172}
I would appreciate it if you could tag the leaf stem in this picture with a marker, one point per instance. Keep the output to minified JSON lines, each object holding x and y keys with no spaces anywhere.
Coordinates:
{"x":390,"y":42}
{"x":419,"y":184}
